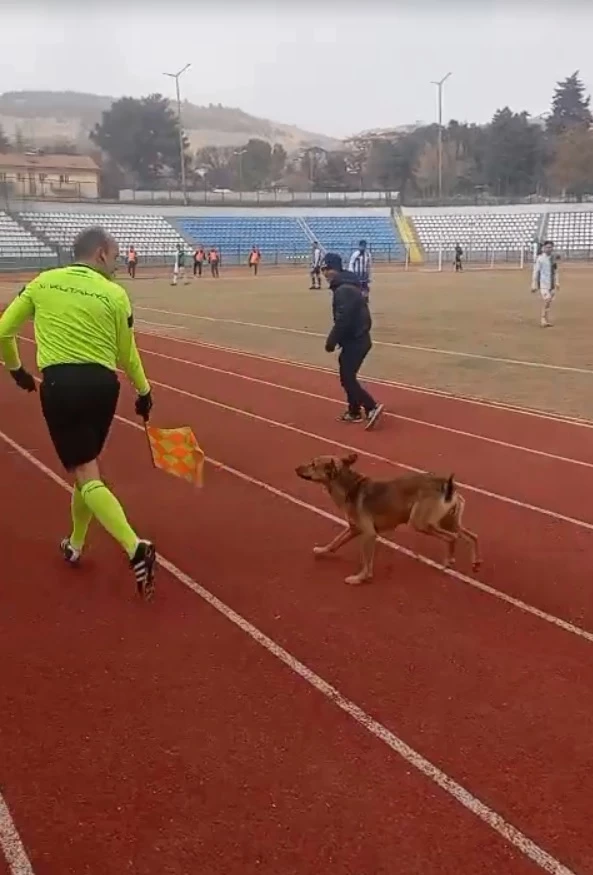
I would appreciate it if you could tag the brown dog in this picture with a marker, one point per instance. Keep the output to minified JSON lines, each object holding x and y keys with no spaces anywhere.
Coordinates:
{"x":428,"y":503}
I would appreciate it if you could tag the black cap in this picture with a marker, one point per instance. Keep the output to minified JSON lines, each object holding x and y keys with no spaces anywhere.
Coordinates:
{"x":332,"y":261}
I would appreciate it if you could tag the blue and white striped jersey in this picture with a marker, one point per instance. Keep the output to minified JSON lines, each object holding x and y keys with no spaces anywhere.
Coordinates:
{"x":360,"y":264}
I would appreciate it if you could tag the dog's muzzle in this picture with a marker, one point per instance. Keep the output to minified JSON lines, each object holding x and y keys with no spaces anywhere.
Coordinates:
{"x":302,"y":472}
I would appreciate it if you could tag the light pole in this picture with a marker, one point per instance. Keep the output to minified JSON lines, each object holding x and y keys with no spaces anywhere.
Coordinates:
{"x":239,"y":153}
{"x":181,"y":149}
{"x":439,"y":84}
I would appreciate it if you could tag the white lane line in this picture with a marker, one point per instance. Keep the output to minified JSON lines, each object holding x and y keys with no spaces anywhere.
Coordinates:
{"x":497,"y":496}
{"x":430,"y":349}
{"x":456,"y":431}
{"x":11,"y":844}
{"x":158,"y":325}
{"x":464,"y":797}
{"x":392,"y":545}
{"x":375,"y":456}
{"x":392,"y":384}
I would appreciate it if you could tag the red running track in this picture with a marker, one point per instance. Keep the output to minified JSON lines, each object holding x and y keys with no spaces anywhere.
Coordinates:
{"x":163,"y":739}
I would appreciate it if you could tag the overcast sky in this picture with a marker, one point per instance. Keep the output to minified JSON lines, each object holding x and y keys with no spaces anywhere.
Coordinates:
{"x":329,"y":67}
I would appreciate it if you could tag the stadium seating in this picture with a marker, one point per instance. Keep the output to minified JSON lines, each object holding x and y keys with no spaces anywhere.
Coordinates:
{"x":343,"y":233}
{"x":571,"y":232}
{"x":17,"y":245}
{"x":278,"y":237}
{"x":152,"y":235}
{"x":482,"y":231}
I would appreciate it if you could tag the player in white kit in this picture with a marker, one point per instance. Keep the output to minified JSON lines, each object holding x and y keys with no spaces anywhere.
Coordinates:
{"x":545,"y":280}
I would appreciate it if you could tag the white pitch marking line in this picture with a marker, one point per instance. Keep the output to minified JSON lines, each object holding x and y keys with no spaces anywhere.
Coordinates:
{"x":11,"y":844}
{"x":393,"y":384}
{"x":431,"y":349}
{"x":470,"y":802}
{"x":553,"y":456}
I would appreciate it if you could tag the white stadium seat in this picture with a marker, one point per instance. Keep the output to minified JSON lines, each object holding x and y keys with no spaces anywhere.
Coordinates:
{"x":478,"y":232}
{"x":152,"y":236}
{"x":19,"y":245}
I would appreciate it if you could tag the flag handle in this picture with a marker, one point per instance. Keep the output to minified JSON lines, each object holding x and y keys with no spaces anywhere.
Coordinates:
{"x":152,"y":462}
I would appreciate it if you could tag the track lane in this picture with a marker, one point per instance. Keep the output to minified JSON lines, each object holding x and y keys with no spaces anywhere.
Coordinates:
{"x":541,"y":560}
{"x":536,"y":480}
{"x":168,"y":741}
{"x":439,"y":633}
{"x":539,"y":432}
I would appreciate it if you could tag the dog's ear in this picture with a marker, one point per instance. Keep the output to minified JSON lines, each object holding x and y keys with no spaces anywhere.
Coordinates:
{"x":350,"y":460}
{"x":331,"y":469}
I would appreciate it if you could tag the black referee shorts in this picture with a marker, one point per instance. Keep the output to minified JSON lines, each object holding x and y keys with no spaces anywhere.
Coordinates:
{"x":78,"y":404}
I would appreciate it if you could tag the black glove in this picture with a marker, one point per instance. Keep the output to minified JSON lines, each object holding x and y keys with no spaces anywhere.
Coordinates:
{"x":329,"y":347}
{"x":24,"y":379}
{"x":144,"y":406}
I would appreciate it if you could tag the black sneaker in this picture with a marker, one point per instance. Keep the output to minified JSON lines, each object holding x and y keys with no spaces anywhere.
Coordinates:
{"x":350,"y":417}
{"x":71,"y":556}
{"x":143,"y":565}
{"x":373,"y":416}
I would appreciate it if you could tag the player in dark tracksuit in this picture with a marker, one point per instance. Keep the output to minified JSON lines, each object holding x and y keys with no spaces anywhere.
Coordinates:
{"x":351,"y":331}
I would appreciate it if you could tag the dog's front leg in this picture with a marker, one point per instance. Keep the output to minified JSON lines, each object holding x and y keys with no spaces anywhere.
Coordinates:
{"x":344,"y":537}
{"x":472,"y":538}
{"x":368,"y":553}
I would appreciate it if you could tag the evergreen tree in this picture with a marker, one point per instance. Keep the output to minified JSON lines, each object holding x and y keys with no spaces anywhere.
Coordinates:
{"x":570,"y":106}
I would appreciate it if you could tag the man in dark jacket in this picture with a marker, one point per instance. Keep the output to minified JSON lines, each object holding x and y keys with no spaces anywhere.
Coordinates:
{"x":352,"y":332}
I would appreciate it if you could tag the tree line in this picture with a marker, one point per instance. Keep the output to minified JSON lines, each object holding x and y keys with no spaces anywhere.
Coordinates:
{"x":514,"y":156}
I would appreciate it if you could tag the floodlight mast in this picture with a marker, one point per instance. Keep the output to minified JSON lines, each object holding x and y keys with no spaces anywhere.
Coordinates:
{"x":176,"y":77}
{"x":439,"y":84}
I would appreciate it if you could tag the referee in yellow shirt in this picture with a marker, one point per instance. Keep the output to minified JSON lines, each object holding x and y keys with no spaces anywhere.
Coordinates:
{"x":83,"y":333}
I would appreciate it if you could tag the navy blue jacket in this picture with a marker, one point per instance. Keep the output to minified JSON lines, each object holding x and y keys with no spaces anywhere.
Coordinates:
{"x":352,"y":317}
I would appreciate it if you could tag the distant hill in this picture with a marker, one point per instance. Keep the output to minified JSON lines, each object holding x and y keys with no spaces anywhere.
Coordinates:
{"x":46,"y":116}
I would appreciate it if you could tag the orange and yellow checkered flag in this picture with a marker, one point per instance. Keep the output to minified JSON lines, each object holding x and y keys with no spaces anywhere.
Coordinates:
{"x":176,"y":451}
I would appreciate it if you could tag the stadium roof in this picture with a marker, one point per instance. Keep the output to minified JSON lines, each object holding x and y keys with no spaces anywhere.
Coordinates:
{"x":34,"y":161}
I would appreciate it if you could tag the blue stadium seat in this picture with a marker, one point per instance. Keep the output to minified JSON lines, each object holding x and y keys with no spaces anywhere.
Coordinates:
{"x":278,"y":238}
{"x":342,"y":233}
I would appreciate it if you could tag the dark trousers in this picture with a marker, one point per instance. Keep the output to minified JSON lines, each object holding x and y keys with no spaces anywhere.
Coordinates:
{"x":350,"y":360}
{"x":198,"y":268}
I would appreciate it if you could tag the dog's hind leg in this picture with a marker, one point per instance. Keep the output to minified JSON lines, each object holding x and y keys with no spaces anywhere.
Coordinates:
{"x":422,"y":520}
{"x":342,"y":538}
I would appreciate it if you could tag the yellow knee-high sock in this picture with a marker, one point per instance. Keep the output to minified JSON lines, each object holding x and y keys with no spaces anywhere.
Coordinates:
{"x":81,"y":519}
{"x":108,"y":511}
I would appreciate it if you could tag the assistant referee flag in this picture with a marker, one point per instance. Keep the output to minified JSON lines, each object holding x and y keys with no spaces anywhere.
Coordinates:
{"x":176,"y":451}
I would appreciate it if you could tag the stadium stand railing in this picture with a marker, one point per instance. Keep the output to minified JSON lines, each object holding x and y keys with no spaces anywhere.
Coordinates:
{"x":263,"y":198}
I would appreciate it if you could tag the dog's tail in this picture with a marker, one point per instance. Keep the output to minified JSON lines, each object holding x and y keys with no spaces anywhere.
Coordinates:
{"x":449,"y":488}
